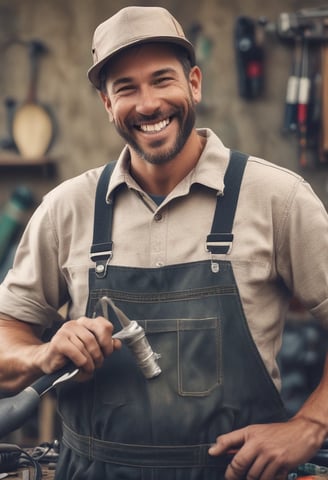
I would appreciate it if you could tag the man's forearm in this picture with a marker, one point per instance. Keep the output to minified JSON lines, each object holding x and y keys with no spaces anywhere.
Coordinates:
{"x":315,"y":409}
{"x":18,"y":349}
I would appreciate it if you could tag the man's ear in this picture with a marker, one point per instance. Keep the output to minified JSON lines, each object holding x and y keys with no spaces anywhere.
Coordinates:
{"x":107,"y":105}
{"x":195,"y":80}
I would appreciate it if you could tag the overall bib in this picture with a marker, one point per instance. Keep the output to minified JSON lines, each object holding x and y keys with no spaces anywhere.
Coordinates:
{"x":120,"y":425}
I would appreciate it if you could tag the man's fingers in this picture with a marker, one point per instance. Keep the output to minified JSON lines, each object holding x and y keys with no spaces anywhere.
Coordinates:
{"x":87,"y":355}
{"x":243,"y":468}
{"x":227,"y":442}
{"x":102,"y":329}
{"x":86,"y":342}
{"x":71,"y":347}
{"x":235,"y":470}
{"x":242,"y":465}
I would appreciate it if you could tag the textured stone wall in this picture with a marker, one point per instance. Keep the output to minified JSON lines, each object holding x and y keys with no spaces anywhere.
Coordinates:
{"x":84,"y":137}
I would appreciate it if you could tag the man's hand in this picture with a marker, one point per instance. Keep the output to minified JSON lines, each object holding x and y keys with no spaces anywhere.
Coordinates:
{"x":86,"y":342}
{"x":269,"y":452}
{"x":24,"y":357}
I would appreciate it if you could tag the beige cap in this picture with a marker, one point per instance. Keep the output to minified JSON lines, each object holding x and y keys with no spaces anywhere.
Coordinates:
{"x":131,"y":26}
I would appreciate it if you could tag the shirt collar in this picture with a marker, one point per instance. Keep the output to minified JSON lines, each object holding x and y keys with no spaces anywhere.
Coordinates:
{"x":209,"y":171}
{"x":212,"y":163}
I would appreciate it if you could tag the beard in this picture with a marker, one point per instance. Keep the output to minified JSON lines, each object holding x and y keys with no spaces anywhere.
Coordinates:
{"x":158,"y":155}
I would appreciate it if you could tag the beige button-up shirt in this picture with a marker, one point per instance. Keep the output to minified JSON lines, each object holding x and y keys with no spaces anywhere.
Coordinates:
{"x":280,"y":242}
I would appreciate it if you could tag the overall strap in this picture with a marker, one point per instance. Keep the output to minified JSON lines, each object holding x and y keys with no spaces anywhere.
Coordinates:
{"x":219,"y":241}
{"x":101,"y":250}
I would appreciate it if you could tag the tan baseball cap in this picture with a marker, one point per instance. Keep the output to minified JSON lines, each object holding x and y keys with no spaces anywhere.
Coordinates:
{"x":131,"y":26}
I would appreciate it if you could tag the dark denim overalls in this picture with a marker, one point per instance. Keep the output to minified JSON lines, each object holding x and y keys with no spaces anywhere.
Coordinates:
{"x":122,"y":426}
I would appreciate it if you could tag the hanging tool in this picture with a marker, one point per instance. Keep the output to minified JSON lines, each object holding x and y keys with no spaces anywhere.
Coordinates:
{"x":303,"y":105}
{"x":33,"y":127}
{"x":250,"y":58}
{"x":311,"y":20}
{"x":308,"y":28}
{"x":290,"y":114}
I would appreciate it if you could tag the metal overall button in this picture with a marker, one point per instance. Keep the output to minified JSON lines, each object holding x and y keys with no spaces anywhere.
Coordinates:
{"x":100,"y":268}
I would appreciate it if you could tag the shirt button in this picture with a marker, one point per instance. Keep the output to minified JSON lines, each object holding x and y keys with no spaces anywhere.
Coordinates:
{"x":159,"y":264}
{"x":158,"y":217}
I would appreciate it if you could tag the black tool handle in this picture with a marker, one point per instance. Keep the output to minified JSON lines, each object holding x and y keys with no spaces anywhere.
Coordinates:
{"x":49,"y":381}
{"x":15,"y":410}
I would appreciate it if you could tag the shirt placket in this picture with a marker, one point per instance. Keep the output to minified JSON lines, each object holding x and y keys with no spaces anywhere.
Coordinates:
{"x":158,"y":231}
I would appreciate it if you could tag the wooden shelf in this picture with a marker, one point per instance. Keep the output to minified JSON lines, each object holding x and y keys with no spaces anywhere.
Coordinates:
{"x":11,"y":161}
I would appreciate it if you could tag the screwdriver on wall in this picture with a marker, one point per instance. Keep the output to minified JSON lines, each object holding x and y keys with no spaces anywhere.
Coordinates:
{"x":303,"y":103}
{"x":290,"y":114}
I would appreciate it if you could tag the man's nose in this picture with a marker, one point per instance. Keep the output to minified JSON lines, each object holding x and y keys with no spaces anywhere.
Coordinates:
{"x":148,"y":101}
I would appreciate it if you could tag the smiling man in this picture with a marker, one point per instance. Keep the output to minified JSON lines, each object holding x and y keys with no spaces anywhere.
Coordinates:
{"x":150,"y":96}
{"x":203,"y":247}
{"x":149,"y":86}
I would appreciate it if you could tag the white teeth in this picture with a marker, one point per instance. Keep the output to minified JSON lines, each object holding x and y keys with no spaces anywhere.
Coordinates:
{"x":157,"y":127}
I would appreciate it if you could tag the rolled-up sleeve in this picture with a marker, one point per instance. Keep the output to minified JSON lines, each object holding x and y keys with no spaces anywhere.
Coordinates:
{"x":34,"y":288}
{"x":302,"y":252}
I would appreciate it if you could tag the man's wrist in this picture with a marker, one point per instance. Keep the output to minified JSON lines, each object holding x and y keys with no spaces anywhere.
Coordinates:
{"x":318,"y":429}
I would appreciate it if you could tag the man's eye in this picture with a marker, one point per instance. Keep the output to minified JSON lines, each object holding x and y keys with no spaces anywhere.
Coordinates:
{"x":125,"y":89}
{"x":163,"y":80}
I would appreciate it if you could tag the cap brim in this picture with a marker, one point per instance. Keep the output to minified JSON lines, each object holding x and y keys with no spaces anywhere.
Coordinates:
{"x":94,"y":71}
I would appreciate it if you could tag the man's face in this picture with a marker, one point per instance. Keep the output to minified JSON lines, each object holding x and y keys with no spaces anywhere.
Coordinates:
{"x":151,"y":101}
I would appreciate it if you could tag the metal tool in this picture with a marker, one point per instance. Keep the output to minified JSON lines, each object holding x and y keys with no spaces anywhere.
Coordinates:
{"x":312,"y":22}
{"x":133,"y":335}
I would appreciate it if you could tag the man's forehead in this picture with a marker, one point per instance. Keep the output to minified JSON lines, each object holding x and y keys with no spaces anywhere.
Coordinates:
{"x":151,"y":54}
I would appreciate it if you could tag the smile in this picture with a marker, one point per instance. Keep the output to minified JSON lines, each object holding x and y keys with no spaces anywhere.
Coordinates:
{"x":154,"y":128}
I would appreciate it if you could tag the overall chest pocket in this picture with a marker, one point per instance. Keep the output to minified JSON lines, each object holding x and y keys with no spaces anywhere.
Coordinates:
{"x":190,"y":359}
{"x":190,"y":352}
